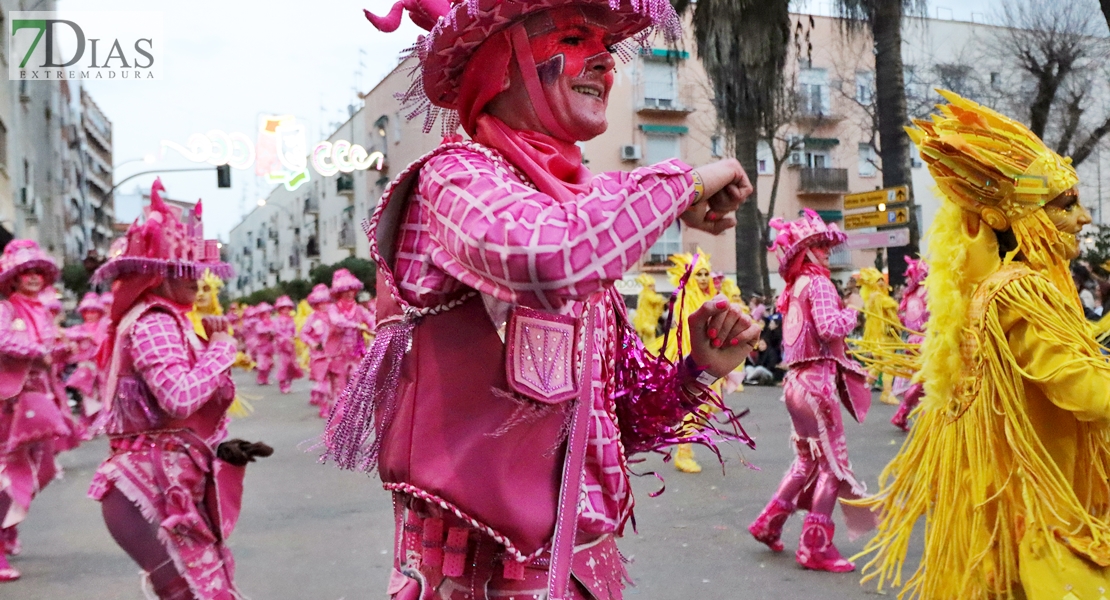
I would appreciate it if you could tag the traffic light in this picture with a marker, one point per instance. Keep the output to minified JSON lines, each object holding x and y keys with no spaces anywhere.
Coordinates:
{"x":223,"y":176}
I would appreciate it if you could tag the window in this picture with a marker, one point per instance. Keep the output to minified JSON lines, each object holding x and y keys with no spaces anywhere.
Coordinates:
{"x":660,"y":84}
{"x":661,"y":147}
{"x":868,"y":161}
{"x":865,"y":87}
{"x":669,"y":243}
{"x":996,"y":80}
{"x":717,"y":146}
{"x":813,"y":92}
{"x":764,"y":160}
{"x":818,"y":159}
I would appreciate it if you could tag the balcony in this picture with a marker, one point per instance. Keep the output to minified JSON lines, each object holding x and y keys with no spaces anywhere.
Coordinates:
{"x":347,"y":236}
{"x":671,"y":106}
{"x":822,"y":182}
{"x":312,"y":205}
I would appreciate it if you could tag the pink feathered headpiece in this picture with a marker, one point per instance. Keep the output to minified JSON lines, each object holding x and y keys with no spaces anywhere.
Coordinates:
{"x":164,"y":245}
{"x":916,"y":271}
{"x":319,"y":295}
{"x":794,"y":237}
{"x":456,"y":28}
{"x":343,"y":281}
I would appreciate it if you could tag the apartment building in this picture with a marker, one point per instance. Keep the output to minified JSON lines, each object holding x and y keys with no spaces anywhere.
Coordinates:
{"x":659,"y":108}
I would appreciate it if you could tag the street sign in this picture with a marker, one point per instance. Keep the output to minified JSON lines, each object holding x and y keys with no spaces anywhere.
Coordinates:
{"x":890,"y":238}
{"x":896,"y":216}
{"x":892,"y":195}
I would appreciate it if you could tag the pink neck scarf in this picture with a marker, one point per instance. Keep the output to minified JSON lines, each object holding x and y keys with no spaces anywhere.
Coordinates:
{"x":553,"y":164}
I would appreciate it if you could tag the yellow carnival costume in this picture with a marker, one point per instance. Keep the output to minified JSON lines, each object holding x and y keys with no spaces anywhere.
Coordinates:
{"x":299,"y":318}
{"x":698,"y":290}
{"x":882,"y":324}
{"x":649,"y":308}
{"x":207,"y":304}
{"x":1009,"y":459}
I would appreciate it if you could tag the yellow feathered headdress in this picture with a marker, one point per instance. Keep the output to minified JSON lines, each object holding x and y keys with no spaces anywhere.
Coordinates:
{"x":990,"y":164}
{"x":681,"y":263}
{"x":870,"y":280}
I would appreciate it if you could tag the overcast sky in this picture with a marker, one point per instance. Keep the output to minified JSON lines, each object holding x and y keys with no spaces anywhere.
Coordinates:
{"x":228,"y":61}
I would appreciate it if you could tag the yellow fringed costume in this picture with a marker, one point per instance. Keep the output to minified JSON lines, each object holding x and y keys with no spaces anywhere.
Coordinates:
{"x":1009,"y":459}
{"x":649,"y":308}
{"x":699,"y":288}
{"x":299,"y":318}
{"x":207,"y":304}
{"x":881,"y":323}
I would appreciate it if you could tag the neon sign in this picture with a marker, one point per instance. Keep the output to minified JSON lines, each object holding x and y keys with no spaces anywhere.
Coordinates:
{"x":280,"y":154}
{"x":216,"y":148}
{"x":341,"y":156}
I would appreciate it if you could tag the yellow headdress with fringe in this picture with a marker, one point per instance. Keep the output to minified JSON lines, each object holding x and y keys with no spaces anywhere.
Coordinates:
{"x":729,"y":288}
{"x":869,"y":279}
{"x":681,"y":262}
{"x":208,"y":296}
{"x":645,"y":280}
{"x":990,"y":164}
{"x":996,"y":168}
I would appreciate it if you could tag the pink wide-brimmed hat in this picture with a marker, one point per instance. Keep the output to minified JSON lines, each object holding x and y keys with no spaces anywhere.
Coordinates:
{"x":51,"y":301}
{"x":456,"y":28}
{"x":90,"y":301}
{"x":21,"y":256}
{"x":263,"y":309}
{"x":343,"y":281}
{"x":163,"y":244}
{"x":797,"y":236}
{"x":319,"y":295}
{"x":284,"y":302}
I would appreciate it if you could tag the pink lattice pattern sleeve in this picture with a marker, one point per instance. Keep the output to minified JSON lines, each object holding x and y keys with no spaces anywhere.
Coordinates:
{"x":830,"y":317}
{"x":12,"y":344}
{"x":161,"y":357}
{"x":499,"y":236}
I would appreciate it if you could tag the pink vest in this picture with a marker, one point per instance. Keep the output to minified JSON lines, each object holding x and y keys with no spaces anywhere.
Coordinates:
{"x":801,"y":345}
{"x":447,"y":428}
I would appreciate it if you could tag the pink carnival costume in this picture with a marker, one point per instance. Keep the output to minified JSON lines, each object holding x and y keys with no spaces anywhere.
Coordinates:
{"x":86,"y":339}
{"x":347,"y":323}
{"x":505,"y":388}
{"x":914,"y":311}
{"x":314,"y":333}
{"x":170,"y":491}
{"x":815,"y":323}
{"x":285,"y":332}
{"x":262,"y":332}
{"x":31,"y":418}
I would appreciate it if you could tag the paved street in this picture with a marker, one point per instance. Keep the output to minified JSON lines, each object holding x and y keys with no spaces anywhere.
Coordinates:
{"x":312,"y":532}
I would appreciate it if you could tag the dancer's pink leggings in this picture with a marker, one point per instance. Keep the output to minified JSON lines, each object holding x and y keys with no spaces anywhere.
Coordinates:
{"x":802,"y":406}
{"x":139,"y":539}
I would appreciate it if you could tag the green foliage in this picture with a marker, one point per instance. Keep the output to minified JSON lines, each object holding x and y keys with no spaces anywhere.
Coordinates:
{"x":75,"y":278}
{"x":1097,"y":251}
{"x":364,"y":270}
{"x":298,"y":289}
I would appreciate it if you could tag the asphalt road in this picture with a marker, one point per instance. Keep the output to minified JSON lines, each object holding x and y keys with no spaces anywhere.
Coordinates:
{"x":312,"y":532}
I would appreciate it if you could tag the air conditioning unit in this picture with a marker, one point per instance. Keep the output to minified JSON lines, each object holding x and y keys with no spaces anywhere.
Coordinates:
{"x":630,"y":152}
{"x":796,"y":159}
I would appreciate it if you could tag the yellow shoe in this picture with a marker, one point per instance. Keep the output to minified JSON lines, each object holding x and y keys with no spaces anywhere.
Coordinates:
{"x":684,"y":459}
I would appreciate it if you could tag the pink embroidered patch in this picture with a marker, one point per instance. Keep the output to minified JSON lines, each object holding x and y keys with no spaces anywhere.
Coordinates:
{"x":540,"y":355}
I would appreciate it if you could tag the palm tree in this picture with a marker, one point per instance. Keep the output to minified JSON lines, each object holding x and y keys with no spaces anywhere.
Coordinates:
{"x":743,"y":45}
{"x":883,"y":19}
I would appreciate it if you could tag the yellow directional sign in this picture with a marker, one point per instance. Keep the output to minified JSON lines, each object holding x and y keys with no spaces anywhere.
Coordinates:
{"x":892,"y":195}
{"x":878,"y":218}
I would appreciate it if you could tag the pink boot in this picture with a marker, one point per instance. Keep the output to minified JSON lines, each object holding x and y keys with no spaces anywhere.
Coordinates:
{"x":7,"y":573}
{"x":9,"y":542}
{"x":767,"y":527}
{"x":285,"y":387}
{"x":909,"y":402}
{"x":263,"y":378}
{"x":816,"y":550}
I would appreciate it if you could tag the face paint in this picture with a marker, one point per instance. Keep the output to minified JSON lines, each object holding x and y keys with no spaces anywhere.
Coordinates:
{"x":1069,"y":217}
